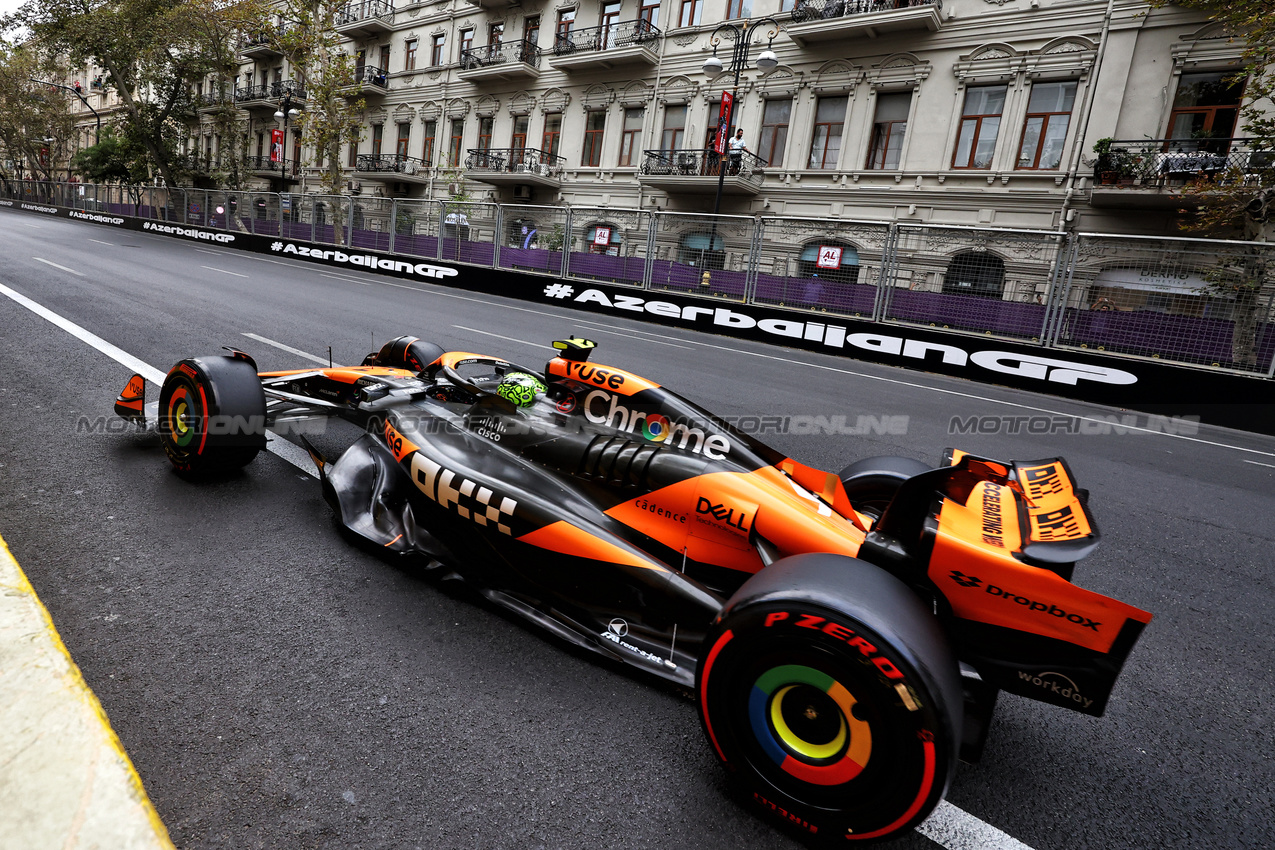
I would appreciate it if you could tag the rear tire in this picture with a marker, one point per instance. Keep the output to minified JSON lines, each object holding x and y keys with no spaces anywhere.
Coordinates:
{"x":830,"y":693}
{"x":872,"y":482}
{"x":212,"y":415}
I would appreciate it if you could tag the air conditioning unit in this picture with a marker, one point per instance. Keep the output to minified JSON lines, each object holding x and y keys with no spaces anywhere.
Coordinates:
{"x":522,"y":192}
{"x":355,"y":186}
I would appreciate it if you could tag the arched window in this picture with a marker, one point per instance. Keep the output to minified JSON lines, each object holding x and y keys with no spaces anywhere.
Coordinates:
{"x":975,"y":273}
{"x":829,"y":261}
{"x":704,"y":250}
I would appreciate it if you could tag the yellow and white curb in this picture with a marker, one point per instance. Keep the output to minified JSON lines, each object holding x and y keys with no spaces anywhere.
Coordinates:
{"x":65,"y":780}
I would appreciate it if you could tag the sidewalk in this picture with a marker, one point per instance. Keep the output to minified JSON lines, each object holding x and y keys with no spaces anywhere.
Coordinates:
{"x":65,"y":781}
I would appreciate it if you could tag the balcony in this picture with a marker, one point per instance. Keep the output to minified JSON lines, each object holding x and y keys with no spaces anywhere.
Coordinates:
{"x":259,"y":45}
{"x":261,"y":166}
{"x":1152,"y":173}
{"x":206,"y":102}
{"x":365,"y":18}
{"x":695,"y":172}
{"x":514,"y":167}
{"x":265,"y":97}
{"x":605,"y":47}
{"x":369,"y":81}
{"x":816,"y":21}
{"x":498,"y":5}
{"x":518,"y":59}
{"x":392,"y":168}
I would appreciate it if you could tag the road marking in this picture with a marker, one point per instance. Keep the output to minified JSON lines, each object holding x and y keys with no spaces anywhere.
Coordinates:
{"x":1259,"y":463}
{"x":223,"y":271}
{"x":500,"y":336}
{"x":294,"y":455}
{"x":56,"y":266}
{"x":100,"y":242}
{"x":320,"y":360}
{"x":957,"y":829}
{"x":349,"y":279}
{"x":29,"y":224}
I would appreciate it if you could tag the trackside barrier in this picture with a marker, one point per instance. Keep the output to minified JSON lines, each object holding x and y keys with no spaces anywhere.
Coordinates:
{"x":1197,"y":302}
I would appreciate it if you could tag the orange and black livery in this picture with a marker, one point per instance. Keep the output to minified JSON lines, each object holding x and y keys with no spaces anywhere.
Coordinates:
{"x":847,"y":634}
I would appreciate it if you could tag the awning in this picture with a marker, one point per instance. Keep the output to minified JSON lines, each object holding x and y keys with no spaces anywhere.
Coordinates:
{"x":699,"y":242}
{"x":1153,"y":280}
{"x":849,"y":256}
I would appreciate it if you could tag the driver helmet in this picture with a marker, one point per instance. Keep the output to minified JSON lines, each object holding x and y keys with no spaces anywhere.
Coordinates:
{"x":520,"y":388}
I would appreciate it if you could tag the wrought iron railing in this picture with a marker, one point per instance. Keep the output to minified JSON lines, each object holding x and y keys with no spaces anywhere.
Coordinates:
{"x":364,"y":10}
{"x":607,"y":37}
{"x":514,"y":161}
{"x":1160,"y":161}
{"x":263,"y":163}
{"x":370,"y":75}
{"x":500,"y":54}
{"x":268,"y":91}
{"x":701,"y":163}
{"x":261,"y":38}
{"x":813,"y":10}
{"x":389,"y":163}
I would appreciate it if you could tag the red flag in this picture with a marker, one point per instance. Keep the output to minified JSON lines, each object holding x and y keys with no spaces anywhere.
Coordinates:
{"x":723,"y":123}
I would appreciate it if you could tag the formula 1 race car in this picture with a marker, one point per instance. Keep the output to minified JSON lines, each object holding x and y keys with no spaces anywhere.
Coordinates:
{"x":846,"y":635}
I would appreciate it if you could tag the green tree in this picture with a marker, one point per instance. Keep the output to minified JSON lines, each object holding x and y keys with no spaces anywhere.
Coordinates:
{"x":112,"y":160}
{"x":1235,"y":203}
{"x":151,"y":52}
{"x":35,"y":125}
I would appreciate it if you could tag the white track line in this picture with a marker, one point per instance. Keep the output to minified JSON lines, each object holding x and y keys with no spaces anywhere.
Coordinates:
{"x":323,"y":361}
{"x":1259,"y":463}
{"x":957,"y":829}
{"x":100,"y":242}
{"x":56,"y":266}
{"x":223,"y":271}
{"x":292,"y":454}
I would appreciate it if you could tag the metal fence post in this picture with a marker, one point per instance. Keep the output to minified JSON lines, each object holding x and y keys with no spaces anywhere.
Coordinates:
{"x":568,"y":236}
{"x":393,"y":222}
{"x":648,"y":268}
{"x":497,"y":238}
{"x":889,"y":258}
{"x":754,"y":261}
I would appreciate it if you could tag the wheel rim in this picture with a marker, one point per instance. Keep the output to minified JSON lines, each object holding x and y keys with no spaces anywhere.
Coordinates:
{"x":804,"y":721}
{"x":185,"y":418}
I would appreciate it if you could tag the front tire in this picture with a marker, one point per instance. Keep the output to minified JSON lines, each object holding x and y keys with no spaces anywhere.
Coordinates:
{"x":212,"y":415}
{"x":872,"y":482}
{"x":830,"y":693}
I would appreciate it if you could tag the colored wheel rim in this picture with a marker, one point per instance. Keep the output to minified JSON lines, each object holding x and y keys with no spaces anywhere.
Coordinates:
{"x":803,"y":719}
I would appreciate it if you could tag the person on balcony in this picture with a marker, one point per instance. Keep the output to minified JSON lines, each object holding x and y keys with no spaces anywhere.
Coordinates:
{"x":737,"y":148}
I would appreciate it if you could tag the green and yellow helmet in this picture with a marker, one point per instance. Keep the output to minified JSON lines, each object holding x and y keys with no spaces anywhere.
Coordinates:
{"x":520,"y":388}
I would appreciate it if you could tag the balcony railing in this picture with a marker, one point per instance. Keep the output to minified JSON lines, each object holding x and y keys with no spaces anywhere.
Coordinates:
{"x":269,"y":91}
{"x":607,"y":37}
{"x":263,"y":163}
{"x":701,"y":163}
{"x":514,"y":161}
{"x":1175,"y":161}
{"x":500,"y":54}
{"x":812,"y":10}
{"x":364,"y":10}
{"x":370,"y":75}
{"x":262,"y":40}
{"x":382,"y":163}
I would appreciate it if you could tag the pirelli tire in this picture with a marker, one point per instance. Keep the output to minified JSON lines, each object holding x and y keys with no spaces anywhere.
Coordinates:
{"x":212,"y":415}
{"x":831,"y":695}
{"x":872,"y":482}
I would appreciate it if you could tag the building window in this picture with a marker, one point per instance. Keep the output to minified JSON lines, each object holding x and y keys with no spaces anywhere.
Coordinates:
{"x":1045,"y":130}
{"x":296,"y":150}
{"x":977,"y":273}
{"x":485,"y":123}
{"x":353,"y":159}
{"x":518,"y":139}
{"x":427,"y":144}
{"x":466,"y":39}
{"x":825,"y":144}
{"x":774,"y":130}
{"x":385,"y":57}
{"x":401,"y":146}
{"x":631,"y":133}
{"x":738,"y":9}
{"x":496,"y":34}
{"x":594,"y":123}
{"x":888,"y":130}
{"x":674,"y":128}
{"x":437,"y":44}
{"x":1205,"y":106}
{"x":553,"y":131}
{"x":689,"y":14}
{"x":531,"y":29}
{"x":980,"y":124}
{"x":609,"y":17}
{"x":566,"y":23}
{"x":650,"y":12}
{"x":458,"y":137}
{"x":409,"y":55}
{"x":377,"y":129}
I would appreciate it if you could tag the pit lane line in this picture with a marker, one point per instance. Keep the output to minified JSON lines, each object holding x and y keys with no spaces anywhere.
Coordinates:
{"x":293,"y":454}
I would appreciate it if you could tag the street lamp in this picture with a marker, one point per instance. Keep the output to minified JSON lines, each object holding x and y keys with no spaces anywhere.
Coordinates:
{"x":285,"y":111}
{"x":713,"y":68}
{"x":97,"y":134}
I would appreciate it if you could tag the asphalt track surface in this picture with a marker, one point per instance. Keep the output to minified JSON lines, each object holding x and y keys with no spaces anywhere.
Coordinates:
{"x":277,"y":688}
